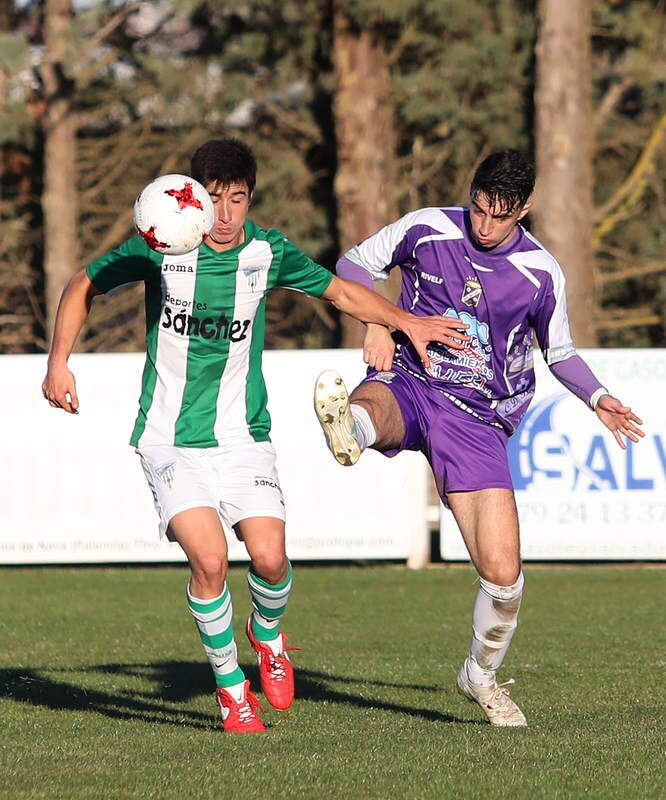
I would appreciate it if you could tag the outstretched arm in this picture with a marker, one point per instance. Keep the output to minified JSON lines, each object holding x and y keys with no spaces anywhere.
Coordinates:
{"x":370,"y":307}
{"x":578,"y":378}
{"x":59,"y":386}
{"x":619,"y":419}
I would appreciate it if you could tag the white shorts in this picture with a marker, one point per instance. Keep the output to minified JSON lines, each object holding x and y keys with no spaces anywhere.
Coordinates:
{"x":238,"y":482}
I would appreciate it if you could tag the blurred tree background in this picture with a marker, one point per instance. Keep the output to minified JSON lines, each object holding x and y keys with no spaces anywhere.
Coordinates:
{"x":358,"y":111}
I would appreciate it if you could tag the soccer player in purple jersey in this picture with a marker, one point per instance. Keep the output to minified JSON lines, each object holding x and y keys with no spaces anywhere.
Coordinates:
{"x":480,"y":265}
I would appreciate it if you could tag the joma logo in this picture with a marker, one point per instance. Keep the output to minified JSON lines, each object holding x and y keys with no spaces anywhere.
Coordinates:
{"x":177,"y":268}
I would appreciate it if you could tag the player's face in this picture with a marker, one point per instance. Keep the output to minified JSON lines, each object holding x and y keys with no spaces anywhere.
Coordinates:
{"x":493,"y":225}
{"x":231,"y":205}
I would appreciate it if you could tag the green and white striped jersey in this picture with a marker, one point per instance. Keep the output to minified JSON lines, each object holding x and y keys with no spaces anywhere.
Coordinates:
{"x":202,"y":382}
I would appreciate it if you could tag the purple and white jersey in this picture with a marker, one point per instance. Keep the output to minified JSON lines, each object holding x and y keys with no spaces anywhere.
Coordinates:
{"x":505,"y":295}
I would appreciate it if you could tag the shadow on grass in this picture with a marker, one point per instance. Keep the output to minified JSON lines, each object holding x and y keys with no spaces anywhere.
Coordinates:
{"x":176,"y":683}
{"x":322,"y":687}
{"x":41,"y":687}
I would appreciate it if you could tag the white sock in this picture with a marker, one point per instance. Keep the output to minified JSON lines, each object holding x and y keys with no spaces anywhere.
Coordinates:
{"x":274,"y":644}
{"x":494,"y":621}
{"x":365,"y":430}
{"x":237,"y":691}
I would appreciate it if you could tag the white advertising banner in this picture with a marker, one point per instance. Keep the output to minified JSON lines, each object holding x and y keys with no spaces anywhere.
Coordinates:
{"x":579,"y":495}
{"x":72,"y":489}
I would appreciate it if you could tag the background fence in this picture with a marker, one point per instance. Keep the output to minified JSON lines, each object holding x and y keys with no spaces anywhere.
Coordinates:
{"x":72,"y":489}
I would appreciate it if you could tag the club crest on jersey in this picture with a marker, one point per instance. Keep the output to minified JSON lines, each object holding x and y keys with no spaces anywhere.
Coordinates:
{"x":252,"y":277}
{"x":472,"y":291}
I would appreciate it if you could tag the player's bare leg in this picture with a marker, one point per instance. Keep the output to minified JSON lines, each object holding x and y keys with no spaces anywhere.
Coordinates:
{"x":488,"y":521}
{"x":383,"y":410}
{"x":199,"y":532}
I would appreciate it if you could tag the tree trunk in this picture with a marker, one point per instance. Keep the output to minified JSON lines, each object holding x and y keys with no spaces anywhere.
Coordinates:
{"x":366,"y":147}
{"x":563,"y":207}
{"x":59,"y":198}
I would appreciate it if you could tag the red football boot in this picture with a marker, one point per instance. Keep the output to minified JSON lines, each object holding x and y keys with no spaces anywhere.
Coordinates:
{"x":276,"y":673}
{"x":240,"y":717}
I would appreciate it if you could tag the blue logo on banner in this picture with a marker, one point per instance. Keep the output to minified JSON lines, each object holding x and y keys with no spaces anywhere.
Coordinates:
{"x":539,"y":453}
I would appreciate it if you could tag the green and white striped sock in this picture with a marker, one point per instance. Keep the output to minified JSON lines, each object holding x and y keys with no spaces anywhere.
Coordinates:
{"x":269,"y":601}
{"x":214,"y":619}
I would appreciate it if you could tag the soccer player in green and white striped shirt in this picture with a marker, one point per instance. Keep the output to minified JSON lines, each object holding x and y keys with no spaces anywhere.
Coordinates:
{"x":203,"y":429}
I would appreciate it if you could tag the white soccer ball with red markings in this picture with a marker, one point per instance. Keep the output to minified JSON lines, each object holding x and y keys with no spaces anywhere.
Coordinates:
{"x":173,"y":213}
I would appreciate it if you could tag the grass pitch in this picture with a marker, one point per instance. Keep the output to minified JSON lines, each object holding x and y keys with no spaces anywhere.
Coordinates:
{"x":105,"y":692}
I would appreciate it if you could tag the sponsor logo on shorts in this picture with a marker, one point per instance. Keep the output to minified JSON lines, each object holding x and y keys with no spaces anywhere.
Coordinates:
{"x":383,"y":377}
{"x":260,"y":480}
{"x":266,"y":482}
{"x":166,"y":473}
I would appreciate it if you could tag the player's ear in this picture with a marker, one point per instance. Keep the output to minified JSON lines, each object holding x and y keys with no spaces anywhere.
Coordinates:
{"x":525,"y":209}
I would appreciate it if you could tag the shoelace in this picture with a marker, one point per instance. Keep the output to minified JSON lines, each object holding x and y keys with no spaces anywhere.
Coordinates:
{"x":276,"y":664}
{"x":276,"y":667}
{"x":246,"y":710}
{"x":501,"y":695}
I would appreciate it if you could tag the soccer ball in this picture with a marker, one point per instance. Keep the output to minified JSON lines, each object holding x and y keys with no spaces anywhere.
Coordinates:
{"x":173,"y":213}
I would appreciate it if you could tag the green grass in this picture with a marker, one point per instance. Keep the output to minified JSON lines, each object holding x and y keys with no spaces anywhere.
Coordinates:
{"x":105,"y":692}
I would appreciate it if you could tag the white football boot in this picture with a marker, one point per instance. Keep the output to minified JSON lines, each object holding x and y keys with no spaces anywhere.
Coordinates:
{"x":331,"y":404}
{"x":495,"y":701}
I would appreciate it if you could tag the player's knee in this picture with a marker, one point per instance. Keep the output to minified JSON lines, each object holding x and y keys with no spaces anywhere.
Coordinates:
{"x":506,"y":592}
{"x":503,"y":576}
{"x":209,"y":570}
{"x":374,"y":398}
{"x":385,"y":419}
{"x":272,"y":567}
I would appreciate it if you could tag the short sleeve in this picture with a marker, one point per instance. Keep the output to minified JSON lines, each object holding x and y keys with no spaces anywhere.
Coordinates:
{"x":299,"y":272}
{"x":132,"y":261}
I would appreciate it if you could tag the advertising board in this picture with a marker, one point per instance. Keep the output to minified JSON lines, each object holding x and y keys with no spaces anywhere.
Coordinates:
{"x":579,"y":495}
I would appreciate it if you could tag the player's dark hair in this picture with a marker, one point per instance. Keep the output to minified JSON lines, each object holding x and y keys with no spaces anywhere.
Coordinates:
{"x":224,"y":161}
{"x":506,"y":178}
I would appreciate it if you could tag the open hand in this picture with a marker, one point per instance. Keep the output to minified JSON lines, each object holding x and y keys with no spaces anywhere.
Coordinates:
{"x":448,"y":331}
{"x":620,"y":420}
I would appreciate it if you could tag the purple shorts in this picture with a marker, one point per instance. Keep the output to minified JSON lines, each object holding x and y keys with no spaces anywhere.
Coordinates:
{"x":464,"y":453}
